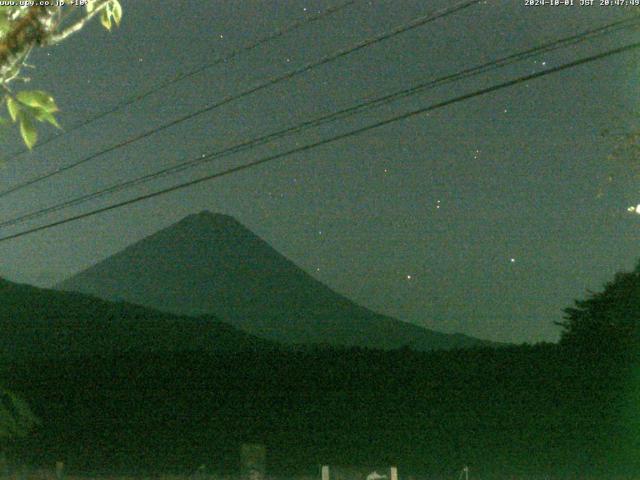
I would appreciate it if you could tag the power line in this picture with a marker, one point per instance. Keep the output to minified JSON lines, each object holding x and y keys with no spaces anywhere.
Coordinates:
{"x":183,"y":76}
{"x":365,"y":105}
{"x":329,"y":140}
{"x":420,"y":21}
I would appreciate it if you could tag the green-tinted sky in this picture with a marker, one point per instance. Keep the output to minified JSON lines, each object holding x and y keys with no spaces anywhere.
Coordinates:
{"x":482,"y":217}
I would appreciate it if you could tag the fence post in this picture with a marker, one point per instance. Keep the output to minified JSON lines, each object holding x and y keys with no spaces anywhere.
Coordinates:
{"x":252,"y":461}
{"x":325,"y":472}
{"x":59,"y":470}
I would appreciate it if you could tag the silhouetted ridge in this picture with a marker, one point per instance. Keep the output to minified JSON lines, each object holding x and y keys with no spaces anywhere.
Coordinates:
{"x":40,"y":322}
{"x":209,"y":263}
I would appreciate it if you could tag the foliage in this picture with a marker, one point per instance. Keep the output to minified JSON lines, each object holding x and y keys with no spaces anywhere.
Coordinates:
{"x":508,"y":411}
{"x":623,"y":161}
{"x":16,"y":418}
{"x":26,"y":108}
{"x":607,"y":320}
{"x":23,"y":28}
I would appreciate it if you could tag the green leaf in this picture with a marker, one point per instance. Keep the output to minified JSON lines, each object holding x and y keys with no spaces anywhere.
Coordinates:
{"x":44,"y":116}
{"x":116,"y":12}
{"x":27,"y":130}
{"x":37,"y":99}
{"x":14,"y":108}
{"x":111,"y":13}
{"x":105,"y":18}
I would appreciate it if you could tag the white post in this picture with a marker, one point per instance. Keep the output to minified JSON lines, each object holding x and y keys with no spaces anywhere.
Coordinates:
{"x":325,"y":472}
{"x":394,"y":473}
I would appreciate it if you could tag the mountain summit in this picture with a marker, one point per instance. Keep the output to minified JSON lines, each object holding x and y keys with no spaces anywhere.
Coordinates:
{"x":211,"y":264}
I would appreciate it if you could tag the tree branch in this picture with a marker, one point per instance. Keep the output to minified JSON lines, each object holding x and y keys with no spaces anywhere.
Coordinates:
{"x":77,"y":26}
{"x":28,"y":31}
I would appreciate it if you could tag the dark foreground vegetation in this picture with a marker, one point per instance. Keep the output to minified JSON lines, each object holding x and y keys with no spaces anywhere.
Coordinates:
{"x":522,"y":409}
{"x":568,"y":410}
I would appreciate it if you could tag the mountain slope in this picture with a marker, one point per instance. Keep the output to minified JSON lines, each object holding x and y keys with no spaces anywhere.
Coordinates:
{"x":39,"y":322}
{"x":211,"y":264}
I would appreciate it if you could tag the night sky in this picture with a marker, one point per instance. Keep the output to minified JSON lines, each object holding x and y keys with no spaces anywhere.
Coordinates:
{"x":482,"y":217}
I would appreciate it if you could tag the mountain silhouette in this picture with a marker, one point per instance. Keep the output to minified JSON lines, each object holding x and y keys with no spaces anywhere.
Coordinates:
{"x":36,"y":322}
{"x":211,"y":264}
